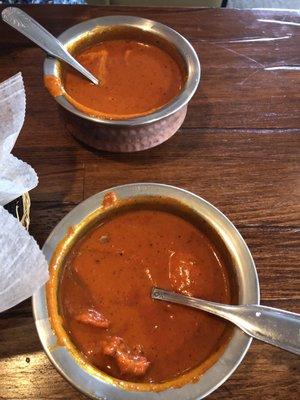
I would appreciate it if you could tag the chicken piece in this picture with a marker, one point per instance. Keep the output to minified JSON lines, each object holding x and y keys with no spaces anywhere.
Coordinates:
{"x":93,"y":318}
{"x":130,"y":362}
{"x":96,"y":62}
{"x":111,"y":345}
{"x":184,"y":273}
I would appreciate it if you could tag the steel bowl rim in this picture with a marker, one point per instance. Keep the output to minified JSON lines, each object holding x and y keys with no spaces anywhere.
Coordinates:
{"x":238,"y":339}
{"x":182,"y":44}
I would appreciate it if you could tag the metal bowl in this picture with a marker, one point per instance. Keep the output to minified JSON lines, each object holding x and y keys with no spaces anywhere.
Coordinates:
{"x":98,"y":387}
{"x":137,"y":133}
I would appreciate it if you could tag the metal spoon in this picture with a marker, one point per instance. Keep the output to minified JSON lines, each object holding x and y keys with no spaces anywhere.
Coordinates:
{"x":23,"y":23}
{"x":271,"y":325}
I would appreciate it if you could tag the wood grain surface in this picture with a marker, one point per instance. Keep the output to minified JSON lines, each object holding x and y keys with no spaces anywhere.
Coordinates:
{"x":238,"y":148}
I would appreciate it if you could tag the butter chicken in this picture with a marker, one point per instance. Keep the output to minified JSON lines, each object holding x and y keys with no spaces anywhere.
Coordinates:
{"x":136,"y":78}
{"x":105,"y":291}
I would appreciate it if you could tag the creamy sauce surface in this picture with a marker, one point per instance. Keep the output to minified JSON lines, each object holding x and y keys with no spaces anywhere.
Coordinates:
{"x":105,"y":295}
{"x":135,"y":79}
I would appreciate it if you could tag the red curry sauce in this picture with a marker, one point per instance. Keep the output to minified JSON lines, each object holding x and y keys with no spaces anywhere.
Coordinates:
{"x":105,"y":295}
{"x":136,"y":78}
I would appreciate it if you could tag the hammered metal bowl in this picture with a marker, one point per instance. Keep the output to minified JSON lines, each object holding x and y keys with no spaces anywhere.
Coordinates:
{"x":139,"y":133}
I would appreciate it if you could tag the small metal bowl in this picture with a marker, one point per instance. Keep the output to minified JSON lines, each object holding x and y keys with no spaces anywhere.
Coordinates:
{"x":137,"y":133}
{"x":98,"y":385}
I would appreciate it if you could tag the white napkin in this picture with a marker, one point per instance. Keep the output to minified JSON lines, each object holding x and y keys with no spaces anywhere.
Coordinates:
{"x":16,"y":177}
{"x":23,"y":267}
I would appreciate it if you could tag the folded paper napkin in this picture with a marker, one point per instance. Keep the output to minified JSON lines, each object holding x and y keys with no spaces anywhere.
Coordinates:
{"x":16,"y":177}
{"x":23,"y":267}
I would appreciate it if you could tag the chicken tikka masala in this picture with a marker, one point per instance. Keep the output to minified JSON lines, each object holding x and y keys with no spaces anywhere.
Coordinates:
{"x":105,"y":298}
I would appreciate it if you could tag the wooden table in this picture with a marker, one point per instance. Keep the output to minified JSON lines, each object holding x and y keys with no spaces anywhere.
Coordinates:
{"x":238,"y":148}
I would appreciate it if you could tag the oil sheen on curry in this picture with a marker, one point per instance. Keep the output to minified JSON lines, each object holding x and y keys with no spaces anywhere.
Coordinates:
{"x":105,"y":301}
{"x":136,"y":78}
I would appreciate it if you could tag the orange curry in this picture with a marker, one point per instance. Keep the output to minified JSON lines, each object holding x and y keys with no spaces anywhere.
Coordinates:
{"x":136,"y":78}
{"x":105,"y":298}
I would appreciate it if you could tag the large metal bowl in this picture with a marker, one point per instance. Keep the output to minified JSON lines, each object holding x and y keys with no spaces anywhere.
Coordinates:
{"x":93,"y":384}
{"x":138,"y":133}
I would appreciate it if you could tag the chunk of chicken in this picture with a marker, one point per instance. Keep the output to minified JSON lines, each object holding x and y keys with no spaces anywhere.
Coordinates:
{"x":93,"y":318}
{"x":111,"y":345}
{"x":184,"y":273}
{"x":129,"y":361}
{"x":133,"y":364}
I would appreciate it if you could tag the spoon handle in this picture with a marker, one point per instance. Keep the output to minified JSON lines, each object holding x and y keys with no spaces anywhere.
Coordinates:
{"x":30,"y":28}
{"x":271,"y":325}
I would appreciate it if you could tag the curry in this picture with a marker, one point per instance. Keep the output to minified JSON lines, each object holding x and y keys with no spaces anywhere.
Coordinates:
{"x":136,"y":78}
{"x":105,"y":302}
